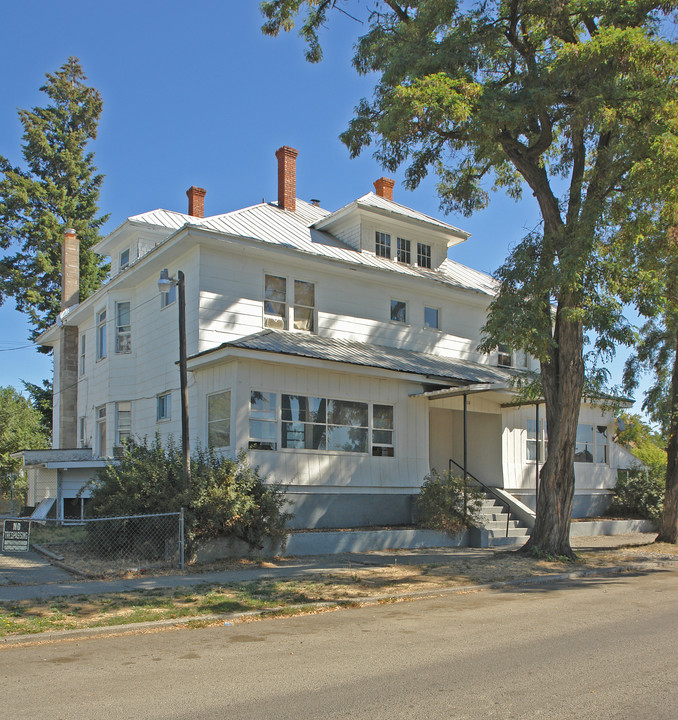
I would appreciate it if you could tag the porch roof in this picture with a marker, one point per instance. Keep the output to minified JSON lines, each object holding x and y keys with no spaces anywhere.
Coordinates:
{"x":438,"y":367}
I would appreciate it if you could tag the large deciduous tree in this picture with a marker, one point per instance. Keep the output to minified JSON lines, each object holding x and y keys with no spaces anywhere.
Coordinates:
{"x":564,"y":98}
{"x":20,"y":428}
{"x":58,"y":188}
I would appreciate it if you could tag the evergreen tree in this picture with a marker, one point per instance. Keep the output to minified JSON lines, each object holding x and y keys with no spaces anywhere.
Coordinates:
{"x":58,"y":188}
{"x":567,"y":99}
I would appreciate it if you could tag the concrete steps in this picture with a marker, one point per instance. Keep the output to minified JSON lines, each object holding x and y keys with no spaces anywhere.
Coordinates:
{"x":493,"y":532}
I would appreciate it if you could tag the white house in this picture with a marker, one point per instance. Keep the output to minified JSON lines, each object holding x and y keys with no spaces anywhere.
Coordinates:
{"x":337,"y":348}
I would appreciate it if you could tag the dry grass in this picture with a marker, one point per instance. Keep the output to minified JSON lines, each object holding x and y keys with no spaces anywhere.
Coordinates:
{"x":354,"y":583}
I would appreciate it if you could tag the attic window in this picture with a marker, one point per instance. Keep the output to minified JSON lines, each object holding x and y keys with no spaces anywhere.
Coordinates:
{"x":404,"y":253}
{"x":383,"y":245}
{"x":124,"y":259}
{"x":423,"y":255}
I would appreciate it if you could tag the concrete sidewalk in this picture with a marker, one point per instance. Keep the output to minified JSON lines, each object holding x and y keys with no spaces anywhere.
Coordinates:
{"x":288,"y":568}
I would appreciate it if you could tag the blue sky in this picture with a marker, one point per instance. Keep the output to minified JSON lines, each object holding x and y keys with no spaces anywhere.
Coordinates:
{"x":194,"y":94}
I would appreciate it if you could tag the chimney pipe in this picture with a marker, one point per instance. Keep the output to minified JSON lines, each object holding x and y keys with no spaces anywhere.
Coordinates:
{"x":287,"y":177}
{"x":70,"y":269}
{"x":196,"y":201}
{"x":384,"y":188}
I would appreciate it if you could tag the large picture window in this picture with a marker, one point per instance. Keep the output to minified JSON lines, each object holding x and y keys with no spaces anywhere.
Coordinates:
{"x":219,"y":419}
{"x":316,"y":423}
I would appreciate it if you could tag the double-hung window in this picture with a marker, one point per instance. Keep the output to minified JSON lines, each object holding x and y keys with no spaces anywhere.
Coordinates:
{"x":123,"y":422}
{"x":263,"y":429}
{"x":123,"y":328}
{"x":382,"y":244}
{"x":101,"y":335}
{"x":399,"y":311}
{"x":504,"y":355}
{"x":432,"y":318}
{"x":423,"y":255}
{"x":101,"y":431}
{"x":304,"y":306}
{"x":164,"y":407}
{"x":219,"y":419}
{"x":82,"y":432}
{"x":536,"y":445}
{"x":382,"y":430}
{"x":592,"y":445}
{"x":404,"y":253}
{"x":124,"y":259}
{"x":275,"y":302}
{"x":81,"y":362}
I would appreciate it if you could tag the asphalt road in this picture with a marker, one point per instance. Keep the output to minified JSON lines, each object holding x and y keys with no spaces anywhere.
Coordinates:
{"x":596,"y":648}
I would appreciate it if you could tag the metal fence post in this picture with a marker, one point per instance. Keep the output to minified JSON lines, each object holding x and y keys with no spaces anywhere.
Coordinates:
{"x":181,"y":539}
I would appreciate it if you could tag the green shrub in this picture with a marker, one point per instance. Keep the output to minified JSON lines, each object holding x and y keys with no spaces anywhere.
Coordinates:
{"x":444,"y":503}
{"x":639,"y":493}
{"x":227,"y":498}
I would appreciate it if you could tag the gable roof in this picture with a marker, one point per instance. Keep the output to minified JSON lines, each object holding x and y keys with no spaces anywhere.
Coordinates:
{"x":352,"y":352}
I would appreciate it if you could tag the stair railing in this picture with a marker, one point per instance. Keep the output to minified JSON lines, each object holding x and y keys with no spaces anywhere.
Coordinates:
{"x":489,"y":490}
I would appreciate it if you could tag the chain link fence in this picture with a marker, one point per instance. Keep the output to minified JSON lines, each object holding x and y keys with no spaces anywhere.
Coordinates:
{"x":96,"y":547}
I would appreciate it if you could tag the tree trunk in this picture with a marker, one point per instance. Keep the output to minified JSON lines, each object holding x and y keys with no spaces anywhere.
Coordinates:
{"x":668,"y":532}
{"x":563,"y":381}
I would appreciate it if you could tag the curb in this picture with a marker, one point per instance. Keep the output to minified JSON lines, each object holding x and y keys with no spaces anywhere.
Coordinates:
{"x":233,"y":618}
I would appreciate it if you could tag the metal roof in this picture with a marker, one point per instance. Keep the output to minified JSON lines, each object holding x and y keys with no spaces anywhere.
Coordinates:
{"x":267,"y":223}
{"x":366,"y":354}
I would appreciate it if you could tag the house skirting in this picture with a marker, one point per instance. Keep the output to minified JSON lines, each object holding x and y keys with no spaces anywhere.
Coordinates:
{"x":593,"y":503}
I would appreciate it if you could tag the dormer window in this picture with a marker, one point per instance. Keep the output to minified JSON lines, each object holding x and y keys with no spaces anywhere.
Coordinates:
{"x":423,"y":255}
{"x":404,"y":252}
{"x":383,"y":245}
{"x":124,"y":259}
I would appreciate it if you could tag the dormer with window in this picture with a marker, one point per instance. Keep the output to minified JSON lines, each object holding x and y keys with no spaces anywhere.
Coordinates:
{"x":375,"y":224}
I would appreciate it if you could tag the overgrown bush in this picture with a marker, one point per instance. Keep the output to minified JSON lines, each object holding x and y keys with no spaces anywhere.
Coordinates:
{"x":639,"y":493}
{"x":227,"y":498}
{"x":446,"y":503}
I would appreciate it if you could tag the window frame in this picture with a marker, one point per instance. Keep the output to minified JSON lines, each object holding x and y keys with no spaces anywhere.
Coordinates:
{"x":82,"y":355}
{"x":594,"y":444}
{"x":424,"y":255}
{"x":504,"y":356}
{"x":101,"y":334}
{"x":382,"y":244}
{"x":214,"y":421}
{"x":394,"y":302}
{"x":437,"y":312}
{"x":297,"y":305}
{"x":120,"y":440}
{"x":123,"y":333}
{"x":262,"y":443}
{"x":163,"y":402}
{"x":168,"y":297}
{"x":540,"y":442}
{"x":404,"y":251}
{"x":122,"y":263}
{"x":101,"y":437}
{"x":269,"y":319}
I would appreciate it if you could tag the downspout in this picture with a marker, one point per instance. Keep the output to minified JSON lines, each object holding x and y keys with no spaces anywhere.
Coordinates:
{"x":536,"y":474}
{"x":59,"y":497}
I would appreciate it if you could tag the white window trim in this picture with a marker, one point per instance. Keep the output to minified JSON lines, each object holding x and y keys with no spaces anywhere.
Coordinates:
{"x":440,"y":322}
{"x":406,"y":321}
{"x":168,"y":405}
{"x":101,"y":333}
{"x":230,"y":419}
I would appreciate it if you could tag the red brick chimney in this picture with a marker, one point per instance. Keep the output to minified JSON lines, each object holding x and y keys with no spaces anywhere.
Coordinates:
{"x":70,"y":269}
{"x":196,"y":201}
{"x":287,"y":177}
{"x":384,"y":187}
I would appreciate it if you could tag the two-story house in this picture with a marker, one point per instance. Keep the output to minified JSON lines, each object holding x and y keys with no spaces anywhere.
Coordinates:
{"x":338,"y":348}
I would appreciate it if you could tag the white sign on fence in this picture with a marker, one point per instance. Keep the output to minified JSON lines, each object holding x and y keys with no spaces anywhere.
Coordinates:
{"x":16,"y":535}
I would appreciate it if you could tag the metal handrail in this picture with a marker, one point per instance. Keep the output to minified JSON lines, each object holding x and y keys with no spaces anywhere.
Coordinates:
{"x":486,"y":488}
